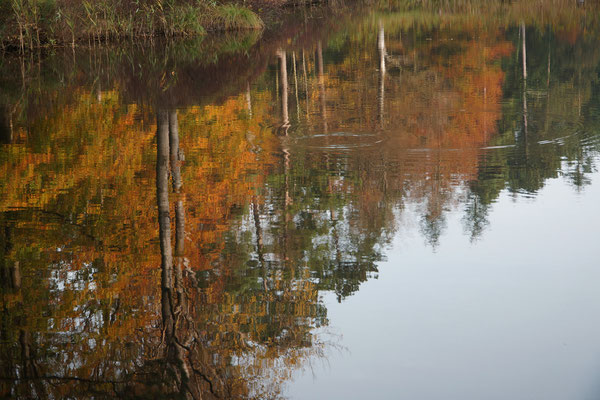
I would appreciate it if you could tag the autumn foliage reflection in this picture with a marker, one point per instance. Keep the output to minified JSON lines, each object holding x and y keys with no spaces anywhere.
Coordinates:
{"x":168,"y":249}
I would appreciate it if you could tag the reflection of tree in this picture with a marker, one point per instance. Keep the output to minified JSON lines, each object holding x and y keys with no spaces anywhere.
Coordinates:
{"x":285,"y":119}
{"x":262,"y":225}
{"x":382,"y":55}
{"x":447,"y":107}
{"x":182,"y":369}
{"x":525,"y":99}
{"x":174,"y":308}
{"x":475,"y":218}
{"x":542,"y":118}
{"x":199,"y":345}
{"x":98,"y":258}
{"x":84,"y":229}
{"x":6,"y":128}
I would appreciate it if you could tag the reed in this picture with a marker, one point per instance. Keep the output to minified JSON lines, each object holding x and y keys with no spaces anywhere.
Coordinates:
{"x":235,"y":17}
{"x":30,"y":24}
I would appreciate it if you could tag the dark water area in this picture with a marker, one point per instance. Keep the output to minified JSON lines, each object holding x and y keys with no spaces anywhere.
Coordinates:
{"x":373,"y":203}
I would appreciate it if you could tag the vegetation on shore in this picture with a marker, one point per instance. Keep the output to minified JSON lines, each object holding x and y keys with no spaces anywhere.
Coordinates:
{"x":29,"y":24}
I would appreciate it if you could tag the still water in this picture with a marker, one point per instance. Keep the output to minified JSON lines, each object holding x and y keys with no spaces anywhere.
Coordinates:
{"x":363,"y":204}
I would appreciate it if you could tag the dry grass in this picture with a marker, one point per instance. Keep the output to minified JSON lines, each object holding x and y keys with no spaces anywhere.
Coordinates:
{"x":30,"y":24}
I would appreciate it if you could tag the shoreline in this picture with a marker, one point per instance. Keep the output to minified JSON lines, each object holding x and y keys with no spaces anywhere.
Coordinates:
{"x":38,"y":25}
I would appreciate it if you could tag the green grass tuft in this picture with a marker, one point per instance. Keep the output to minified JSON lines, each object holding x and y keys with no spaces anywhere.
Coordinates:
{"x":29,"y":24}
{"x":235,"y":17}
{"x":184,"y":20}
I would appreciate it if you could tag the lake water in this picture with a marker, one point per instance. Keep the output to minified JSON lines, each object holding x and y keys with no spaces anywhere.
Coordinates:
{"x":358,"y":204}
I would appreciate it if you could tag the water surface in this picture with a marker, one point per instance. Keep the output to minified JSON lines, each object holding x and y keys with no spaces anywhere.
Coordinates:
{"x":381,"y":204}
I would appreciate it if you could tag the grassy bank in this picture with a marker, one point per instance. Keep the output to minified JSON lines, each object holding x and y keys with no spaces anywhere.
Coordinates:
{"x":30,"y":24}
{"x":33,"y":24}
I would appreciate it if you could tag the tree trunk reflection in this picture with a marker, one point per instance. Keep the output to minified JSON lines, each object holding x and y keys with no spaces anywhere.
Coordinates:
{"x":382,"y":54}
{"x":179,"y":334}
{"x":322,"y":85}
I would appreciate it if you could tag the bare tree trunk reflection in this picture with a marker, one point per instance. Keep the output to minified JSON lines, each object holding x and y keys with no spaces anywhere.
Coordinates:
{"x":524,"y":47}
{"x":259,"y":242}
{"x":382,"y":54}
{"x":178,"y":332}
{"x":548,"y":76}
{"x":176,"y":157}
{"x":248,"y":100}
{"x":285,"y":125}
{"x":322,"y":85}
{"x":547,"y":118}
{"x":175,"y":153}
{"x":15,"y":275}
{"x":296,"y":86}
{"x":285,"y":119}
{"x":305,"y":86}
{"x":10,"y":270}
{"x":6,"y":127}
{"x":164,"y":220}
{"x":30,"y":371}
